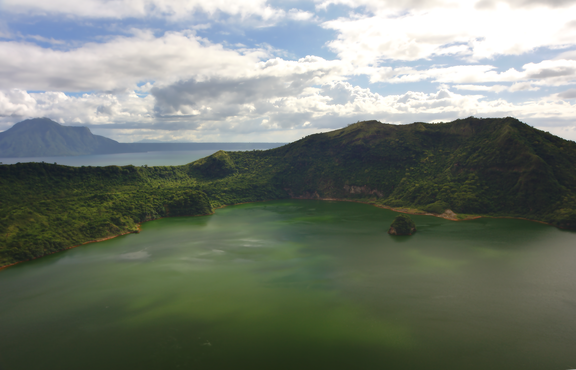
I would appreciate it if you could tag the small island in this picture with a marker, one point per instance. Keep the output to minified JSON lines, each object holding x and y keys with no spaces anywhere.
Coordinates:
{"x":402,"y":226}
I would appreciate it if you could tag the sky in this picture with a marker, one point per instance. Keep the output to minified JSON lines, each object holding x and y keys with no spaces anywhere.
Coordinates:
{"x":276,"y":71}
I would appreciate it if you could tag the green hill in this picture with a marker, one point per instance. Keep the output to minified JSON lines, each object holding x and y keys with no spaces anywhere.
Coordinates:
{"x":481,"y":166}
{"x":44,"y":137}
{"x":495,"y":167}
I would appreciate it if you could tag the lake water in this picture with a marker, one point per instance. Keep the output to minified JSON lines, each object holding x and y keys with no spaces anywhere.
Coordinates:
{"x":298,"y":284}
{"x":168,"y":158}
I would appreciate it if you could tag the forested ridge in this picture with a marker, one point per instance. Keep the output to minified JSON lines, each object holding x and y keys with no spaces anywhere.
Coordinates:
{"x":494,"y":167}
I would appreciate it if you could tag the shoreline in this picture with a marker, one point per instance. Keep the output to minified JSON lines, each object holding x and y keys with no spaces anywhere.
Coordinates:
{"x":138,"y":229}
{"x":422,"y":213}
{"x":71,"y":247}
{"x":445,"y":215}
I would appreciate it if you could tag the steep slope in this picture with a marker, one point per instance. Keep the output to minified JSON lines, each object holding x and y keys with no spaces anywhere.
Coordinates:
{"x":484,"y":166}
{"x":44,"y":137}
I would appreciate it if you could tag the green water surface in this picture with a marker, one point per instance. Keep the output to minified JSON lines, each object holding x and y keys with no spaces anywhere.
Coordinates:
{"x":298,"y":285}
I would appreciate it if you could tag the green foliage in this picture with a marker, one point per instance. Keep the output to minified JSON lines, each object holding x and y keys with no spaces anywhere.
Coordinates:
{"x":499,"y":167}
{"x":216,"y":166}
{"x":437,"y":207}
{"x":402,"y":225}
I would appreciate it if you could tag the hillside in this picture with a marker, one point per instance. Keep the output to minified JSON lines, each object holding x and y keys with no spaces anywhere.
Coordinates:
{"x":496,"y":167}
{"x":479,"y":166}
{"x":44,"y":137}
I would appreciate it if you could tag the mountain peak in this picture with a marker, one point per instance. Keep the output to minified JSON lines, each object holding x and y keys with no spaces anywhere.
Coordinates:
{"x":44,"y":137}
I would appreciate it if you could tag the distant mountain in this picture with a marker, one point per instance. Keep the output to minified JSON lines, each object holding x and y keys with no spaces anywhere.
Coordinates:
{"x":43,"y":137}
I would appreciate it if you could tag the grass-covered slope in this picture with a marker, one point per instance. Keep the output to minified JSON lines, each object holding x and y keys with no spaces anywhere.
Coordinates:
{"x":498,"y":167}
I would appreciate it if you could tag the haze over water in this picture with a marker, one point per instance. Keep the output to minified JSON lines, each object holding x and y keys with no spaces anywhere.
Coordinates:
{"x":298,"y":284}
{"x":160,"y":158}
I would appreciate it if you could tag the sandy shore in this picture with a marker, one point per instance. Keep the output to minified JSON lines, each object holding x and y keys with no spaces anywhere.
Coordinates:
{"x":447,"y":215}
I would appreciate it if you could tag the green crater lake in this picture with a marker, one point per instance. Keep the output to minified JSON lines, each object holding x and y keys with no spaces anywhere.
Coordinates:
{"x":298,"y":285}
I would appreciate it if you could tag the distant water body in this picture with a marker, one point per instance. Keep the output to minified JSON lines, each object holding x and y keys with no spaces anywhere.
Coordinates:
{"x":152,"y":158}
{"x":298,"y":284}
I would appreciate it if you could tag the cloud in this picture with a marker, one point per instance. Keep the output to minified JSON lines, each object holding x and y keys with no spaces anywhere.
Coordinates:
{"x":94,"y":108}
{"x":569,"y":55}
{"x":118,"y":9}
{"x":552,"y":72}
{"x":177,"y":85}
{"x":299,"y":15}
{"x":449,"y":29}
{"x":568,"y":94}
{"x":120,"y":63}
{"x":545,"y":73}
{"x":248,"y":110}
{"x":219,"y":98}
{"x":518,"y":86}
{"x":379,"y":5}
{"x":453,"y":74}
{"x":269,"y":88}
{"x":523,"y":86}
{"x":375,"y":5}
{"x":123,"y":62}
{"x":525,"y":3}
{"x":493,"y":88}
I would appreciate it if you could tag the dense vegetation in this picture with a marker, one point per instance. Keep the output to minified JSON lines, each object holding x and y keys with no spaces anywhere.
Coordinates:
{"x":498,"y":167}
{"x":402,"y":226}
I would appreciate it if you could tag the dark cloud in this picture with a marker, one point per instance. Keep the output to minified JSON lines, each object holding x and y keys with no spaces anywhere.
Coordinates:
{"x":553,"y":72}
{"x":568,"y":94}
{"x":218,"y":98}
{"x":163,"y":125}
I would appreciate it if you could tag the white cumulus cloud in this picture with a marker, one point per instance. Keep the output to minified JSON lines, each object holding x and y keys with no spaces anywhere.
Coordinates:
{"x":142,"y":8}
{"x":120,"y":63}
{"x":458,"y":29}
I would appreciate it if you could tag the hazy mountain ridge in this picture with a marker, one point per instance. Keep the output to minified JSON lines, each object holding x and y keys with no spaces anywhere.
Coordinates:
{"x":495,"y":167}
{"x":42,"y":137}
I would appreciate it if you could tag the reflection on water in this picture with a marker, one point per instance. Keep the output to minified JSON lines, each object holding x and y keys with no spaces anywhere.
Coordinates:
{"x":298,"y":284}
